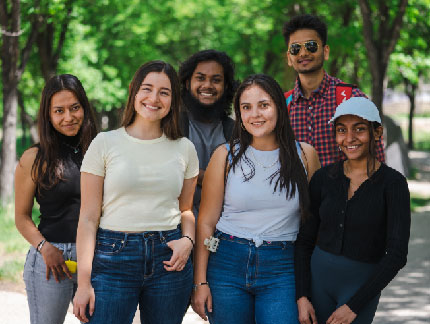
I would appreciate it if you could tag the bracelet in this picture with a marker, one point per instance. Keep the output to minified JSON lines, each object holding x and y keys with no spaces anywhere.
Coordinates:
{"x":192,"y":242}
{"x":195,"y":286}
{"x":40,"y":245}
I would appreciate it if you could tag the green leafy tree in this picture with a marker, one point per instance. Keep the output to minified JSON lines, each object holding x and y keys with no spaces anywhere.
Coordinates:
{"x":14,"y":58}
{"x":382,"y":21}
{"x":411,"y":59}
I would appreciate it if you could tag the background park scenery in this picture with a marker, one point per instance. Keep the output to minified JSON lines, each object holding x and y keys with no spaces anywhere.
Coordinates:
{"x":380,"y":45}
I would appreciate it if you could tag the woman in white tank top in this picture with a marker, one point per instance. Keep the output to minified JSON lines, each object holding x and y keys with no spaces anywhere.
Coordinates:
{"x":254,"y":195}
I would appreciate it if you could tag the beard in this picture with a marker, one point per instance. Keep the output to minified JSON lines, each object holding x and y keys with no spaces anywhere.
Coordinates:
{"x":319,"y":62}
{"x":205,"y":113}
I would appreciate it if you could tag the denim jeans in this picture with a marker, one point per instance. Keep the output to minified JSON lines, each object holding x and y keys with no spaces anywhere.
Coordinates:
{"x":252,"y":284}
{"x":128,"y":271}
{"x":48,"y":300}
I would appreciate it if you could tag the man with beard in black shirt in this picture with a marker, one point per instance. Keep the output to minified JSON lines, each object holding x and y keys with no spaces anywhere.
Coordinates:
{"x":207,"y":90}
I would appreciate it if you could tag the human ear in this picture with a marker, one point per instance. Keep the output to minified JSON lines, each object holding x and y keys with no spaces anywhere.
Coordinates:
{"x":326,"y":51}
{"x":378,"y":132}
{"x":287,"y":54}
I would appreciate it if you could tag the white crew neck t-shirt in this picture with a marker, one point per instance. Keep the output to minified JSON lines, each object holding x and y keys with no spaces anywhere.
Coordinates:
{"x":142,"y":179}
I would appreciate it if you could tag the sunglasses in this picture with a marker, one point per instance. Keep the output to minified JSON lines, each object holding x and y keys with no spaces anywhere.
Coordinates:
{"x":311,"y":46}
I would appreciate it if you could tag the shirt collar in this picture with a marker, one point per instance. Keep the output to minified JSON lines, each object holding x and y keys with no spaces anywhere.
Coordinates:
{"x":322,"y":89}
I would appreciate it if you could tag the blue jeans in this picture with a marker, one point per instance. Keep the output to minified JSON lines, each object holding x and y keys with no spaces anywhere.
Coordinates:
{"x":128,"y":270}
{"x":335,"y":279}
{"x":252,"y":284}
{"x":48,"y":300}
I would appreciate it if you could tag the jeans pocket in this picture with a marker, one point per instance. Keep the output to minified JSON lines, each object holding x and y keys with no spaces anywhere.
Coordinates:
{"x":109,"y":245}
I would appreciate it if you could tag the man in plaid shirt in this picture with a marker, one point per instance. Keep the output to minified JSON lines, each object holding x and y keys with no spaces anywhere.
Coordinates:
{"x":313,"y":100}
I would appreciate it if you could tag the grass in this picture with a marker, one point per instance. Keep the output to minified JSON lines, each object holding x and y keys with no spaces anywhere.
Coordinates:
{"x":417,"y":202}
{"x":421,"y":136}
{"x":424,"y":114}
{"x":13,"y":246}
{"x":11,"y":270}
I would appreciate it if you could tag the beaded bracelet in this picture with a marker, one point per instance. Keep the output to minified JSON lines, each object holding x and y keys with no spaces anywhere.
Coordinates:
{"x":192,"y":242}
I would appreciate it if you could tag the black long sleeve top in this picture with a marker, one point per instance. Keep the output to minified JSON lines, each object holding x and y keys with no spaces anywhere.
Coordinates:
{"x":372,"y":226}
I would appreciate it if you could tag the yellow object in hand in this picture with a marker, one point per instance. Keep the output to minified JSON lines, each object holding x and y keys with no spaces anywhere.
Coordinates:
{"x":72,"y":265}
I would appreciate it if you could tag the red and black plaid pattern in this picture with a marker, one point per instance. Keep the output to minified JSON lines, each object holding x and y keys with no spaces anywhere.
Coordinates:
{"x":309,"y":119}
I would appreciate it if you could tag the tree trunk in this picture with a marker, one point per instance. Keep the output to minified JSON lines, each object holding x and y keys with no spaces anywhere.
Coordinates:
{"x":9,"y":57}
{"x":378,"y":85}
{"x":10,"y":23}
{"x":27,"y":120}
{"x":8,"y":152}
{"x":380,"y":40}
{"x":410,"y":92}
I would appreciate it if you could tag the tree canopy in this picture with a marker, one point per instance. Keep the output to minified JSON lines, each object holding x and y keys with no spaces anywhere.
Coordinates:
{"x":103,"y":42}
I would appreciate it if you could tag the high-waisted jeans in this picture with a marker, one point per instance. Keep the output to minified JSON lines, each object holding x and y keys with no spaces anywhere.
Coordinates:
{"x":48,"y":300}
{"x":252,"y":284}
{"x":128,"y":270}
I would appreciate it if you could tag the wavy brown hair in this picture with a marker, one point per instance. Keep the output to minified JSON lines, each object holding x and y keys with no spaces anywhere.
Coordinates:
{"x":291,"y":175}
{"x":169,"y":123}
{"x":48,"y":166}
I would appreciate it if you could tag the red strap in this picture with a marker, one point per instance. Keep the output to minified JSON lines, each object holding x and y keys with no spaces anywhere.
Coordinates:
{"x":289,"y":98}
{"x":343,"y":92}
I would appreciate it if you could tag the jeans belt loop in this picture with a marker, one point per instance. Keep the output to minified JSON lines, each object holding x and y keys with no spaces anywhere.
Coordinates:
{"x":162,"y":237}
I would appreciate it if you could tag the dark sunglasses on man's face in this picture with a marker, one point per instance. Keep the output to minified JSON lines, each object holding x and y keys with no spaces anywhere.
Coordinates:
{"x":311,"y":46}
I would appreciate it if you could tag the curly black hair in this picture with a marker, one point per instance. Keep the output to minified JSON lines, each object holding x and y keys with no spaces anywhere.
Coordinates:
{"x":188,"y":66}
{"x":305,"y":22}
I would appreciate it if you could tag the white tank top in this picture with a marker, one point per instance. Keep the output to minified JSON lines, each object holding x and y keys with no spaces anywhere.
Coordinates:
{"x":252,"y":210}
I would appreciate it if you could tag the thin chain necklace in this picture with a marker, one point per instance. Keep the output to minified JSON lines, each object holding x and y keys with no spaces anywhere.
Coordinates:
{"x":74,"y":149}
{"x":261,"y":164}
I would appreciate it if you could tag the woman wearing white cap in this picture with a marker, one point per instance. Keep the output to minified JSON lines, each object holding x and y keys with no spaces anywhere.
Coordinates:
{"x":356,"y":240}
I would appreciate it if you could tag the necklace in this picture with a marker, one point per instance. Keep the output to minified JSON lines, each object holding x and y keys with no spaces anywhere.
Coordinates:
{"x":74,"y":149}
{"x":261,"y":164}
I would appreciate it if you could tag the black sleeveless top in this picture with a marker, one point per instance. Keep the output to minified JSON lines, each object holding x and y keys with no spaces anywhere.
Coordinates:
{"x":60,"y":205}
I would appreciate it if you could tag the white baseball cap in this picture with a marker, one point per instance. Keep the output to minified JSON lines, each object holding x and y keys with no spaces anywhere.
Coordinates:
{"x":358,"y":106}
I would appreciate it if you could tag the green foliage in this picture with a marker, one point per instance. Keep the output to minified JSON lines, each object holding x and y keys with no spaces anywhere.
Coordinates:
{"x":107,"y":40}
{"x":11,"y":270}
{"x":417,"y":202}
{"x":11,"y":240}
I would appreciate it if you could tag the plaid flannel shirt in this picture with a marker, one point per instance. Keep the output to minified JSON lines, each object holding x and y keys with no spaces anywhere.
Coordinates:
{"x":309,"y":119}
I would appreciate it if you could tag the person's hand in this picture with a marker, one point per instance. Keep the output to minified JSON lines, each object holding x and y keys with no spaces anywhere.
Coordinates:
{"x":306,"y":311}
{"x":181,"y":251}
{"x":54,"y":261}
{"x":84,"y":296}
{"x":342,"y":315}
{"x":202,"y":297}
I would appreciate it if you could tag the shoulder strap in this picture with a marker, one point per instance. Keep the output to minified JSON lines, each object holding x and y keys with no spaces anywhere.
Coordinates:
{"x":230,"y":156}
{"x":299,"y":152}
{"x":184,"y":123}
{"x":227,"y":128}
{"x":343,"y":92}
{"x":289,"y":98}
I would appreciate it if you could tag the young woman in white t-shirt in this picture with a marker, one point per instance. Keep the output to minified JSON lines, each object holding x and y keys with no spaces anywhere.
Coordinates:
{"x":136,"y":227}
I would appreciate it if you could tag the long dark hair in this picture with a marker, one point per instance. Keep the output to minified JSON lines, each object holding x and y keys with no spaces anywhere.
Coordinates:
{"x":291,"y":176}
{"x":48,"y":166}
{"x":187,"y":68}
{"x":169,"y":123}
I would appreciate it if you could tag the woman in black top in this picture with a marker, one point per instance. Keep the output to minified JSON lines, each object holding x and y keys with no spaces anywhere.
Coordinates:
{"x":356,"y":239}
{"x":49,"y":172}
